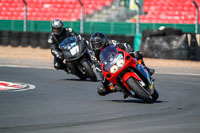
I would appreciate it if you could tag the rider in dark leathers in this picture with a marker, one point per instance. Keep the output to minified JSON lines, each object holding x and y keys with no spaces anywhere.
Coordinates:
{"x":98,"y":41}
{"x":58,"y":34}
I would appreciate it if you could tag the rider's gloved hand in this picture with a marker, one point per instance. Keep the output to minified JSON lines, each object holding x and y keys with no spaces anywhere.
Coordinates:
{"x":97,"y":66}
{"x":137,"y":54}
{"x":60,"y":56}
{"x":98,"y":69}
{"x":132,"y":54}
{"x":79,"y":37}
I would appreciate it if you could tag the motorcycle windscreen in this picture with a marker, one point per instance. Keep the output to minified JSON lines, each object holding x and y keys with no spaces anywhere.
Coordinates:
{"x":68,"y":43}
{"x":109,"y":56}
{"x":142,"y":70}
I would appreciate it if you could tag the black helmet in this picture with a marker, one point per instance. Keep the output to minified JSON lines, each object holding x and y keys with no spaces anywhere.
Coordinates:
{"x":57,"y":27}
{"x":97,"y":41}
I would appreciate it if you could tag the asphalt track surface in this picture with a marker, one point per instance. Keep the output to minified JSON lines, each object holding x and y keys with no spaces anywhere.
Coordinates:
{"x":62,"y":103}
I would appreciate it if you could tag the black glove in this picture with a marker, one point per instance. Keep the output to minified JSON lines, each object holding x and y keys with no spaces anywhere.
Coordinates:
{"x":79,"y":37}
{"x":121,"y":46}
{"x":60,"y":56}
{"x":137,"y":54}
{"x":57,"y":54}
{"x":132,"y":54}
{"x":97,"y":66}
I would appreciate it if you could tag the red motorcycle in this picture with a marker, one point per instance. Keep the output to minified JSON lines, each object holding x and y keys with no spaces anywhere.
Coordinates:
{"x":126,"y":72}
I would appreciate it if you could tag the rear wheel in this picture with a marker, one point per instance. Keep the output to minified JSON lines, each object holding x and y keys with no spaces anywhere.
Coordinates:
{"x":139,"y":91}
{"x":88,"y":70}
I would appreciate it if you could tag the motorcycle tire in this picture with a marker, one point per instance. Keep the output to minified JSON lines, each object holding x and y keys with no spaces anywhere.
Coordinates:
{"x":88,"y":70}
{"x":80,"y":75}
{"x":155,"y":95}
{"x":139,"y":91}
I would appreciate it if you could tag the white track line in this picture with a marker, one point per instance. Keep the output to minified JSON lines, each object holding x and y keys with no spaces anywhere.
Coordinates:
{"x":22,"y":66}
{"x":46,"y":67}
{"x":186,"y":74}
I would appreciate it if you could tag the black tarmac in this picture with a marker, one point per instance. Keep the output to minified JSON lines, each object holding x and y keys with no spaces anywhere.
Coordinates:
{"x":62,"y":103}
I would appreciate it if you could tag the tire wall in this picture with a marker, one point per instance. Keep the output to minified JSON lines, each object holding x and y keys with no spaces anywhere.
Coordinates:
{"x":120,"y":38}
{"x":5,"y":38}
{"x":166,"y":44}
{"x":170,"y":44}
{"x":24,"y":39}
{"x":197,"y":51}
{"x":39,"y":39}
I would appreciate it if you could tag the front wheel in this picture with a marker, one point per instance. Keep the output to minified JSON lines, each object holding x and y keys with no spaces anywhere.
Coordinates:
{"x":155,"y":95}
{"x":88,"y":70}
{"x":139,"y":91}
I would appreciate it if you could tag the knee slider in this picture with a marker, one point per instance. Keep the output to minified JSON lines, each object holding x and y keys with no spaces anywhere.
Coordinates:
{"x":101,"y":92}
{"x":59,"y":66}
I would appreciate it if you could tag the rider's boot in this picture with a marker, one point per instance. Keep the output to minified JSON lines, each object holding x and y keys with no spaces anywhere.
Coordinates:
{"x":102,"y":90}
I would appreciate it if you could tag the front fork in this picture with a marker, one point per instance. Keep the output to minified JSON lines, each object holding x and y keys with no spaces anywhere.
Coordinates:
{"x":81,"y":68}
{"x":150,"y":87}
{"x":73,"y":66}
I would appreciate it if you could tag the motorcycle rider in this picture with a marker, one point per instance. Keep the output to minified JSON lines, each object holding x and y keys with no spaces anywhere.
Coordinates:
{"x":98,"y":41}
{"x":58,"y":34}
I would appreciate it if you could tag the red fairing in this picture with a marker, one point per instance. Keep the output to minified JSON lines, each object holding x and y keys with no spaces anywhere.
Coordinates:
{"x":124,"y":71}
{"x":130,"y":74}
{"x":129,"y":61}
{"x":127,"y":76}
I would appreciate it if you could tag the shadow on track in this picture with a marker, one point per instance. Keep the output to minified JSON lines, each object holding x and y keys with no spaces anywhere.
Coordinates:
{"x":85,"y":80}
{"x":135,"y":101}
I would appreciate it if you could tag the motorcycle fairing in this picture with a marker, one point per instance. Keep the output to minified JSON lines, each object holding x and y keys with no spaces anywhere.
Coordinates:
{"x":120,"y":72}
{"x":127,"y":76}
{"x":116,"y":55}
{"x":68,"y":43}
{"x":105,"y":54}
{"x":72,"y":48}
{"x":107,"y":66}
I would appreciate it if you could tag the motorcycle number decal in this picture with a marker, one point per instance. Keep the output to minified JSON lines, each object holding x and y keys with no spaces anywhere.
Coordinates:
{"x":74,"y":50}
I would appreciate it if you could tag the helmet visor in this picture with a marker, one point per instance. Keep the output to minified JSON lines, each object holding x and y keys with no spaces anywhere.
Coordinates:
{"x":97,"y":45}
{"x":57,"y":31}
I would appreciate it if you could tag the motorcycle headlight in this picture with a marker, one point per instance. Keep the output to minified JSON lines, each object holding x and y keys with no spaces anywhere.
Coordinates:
{"x":120,"y":63}
{"x":114,"y":69}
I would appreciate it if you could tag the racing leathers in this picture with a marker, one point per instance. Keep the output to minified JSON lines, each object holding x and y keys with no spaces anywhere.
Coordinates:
{"x":54,"y":41}
{"x":105,"y":87}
